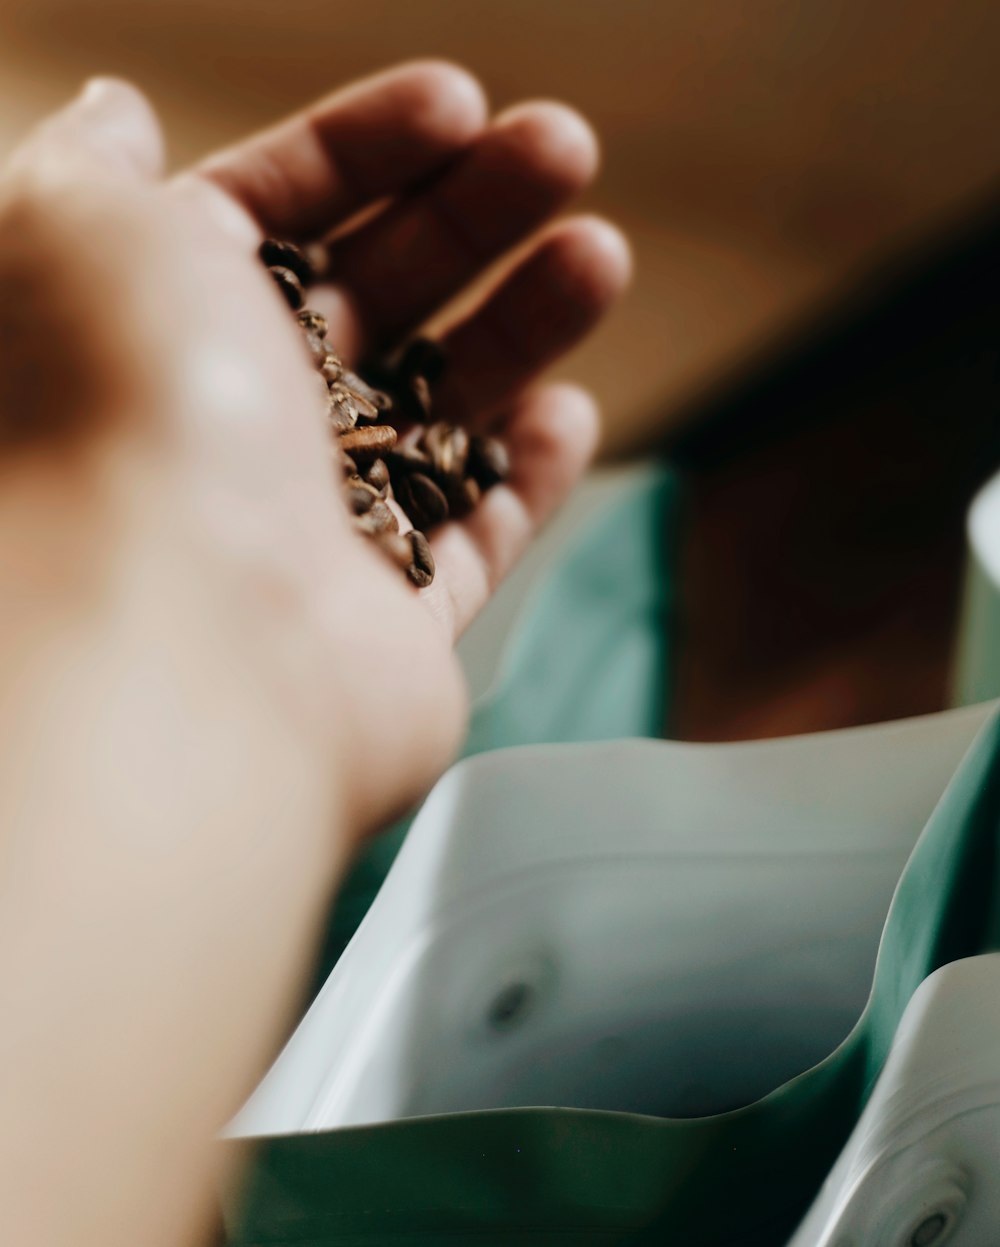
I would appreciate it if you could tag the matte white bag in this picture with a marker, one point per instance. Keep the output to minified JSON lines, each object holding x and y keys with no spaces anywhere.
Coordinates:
{"x":641,"y":926}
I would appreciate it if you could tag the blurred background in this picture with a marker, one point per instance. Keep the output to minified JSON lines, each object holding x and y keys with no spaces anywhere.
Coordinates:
{"x":765,"y":159}
{"x":756,"y":153}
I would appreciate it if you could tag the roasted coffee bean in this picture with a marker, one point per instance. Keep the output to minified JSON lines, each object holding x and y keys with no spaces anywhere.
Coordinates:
{"x":342,"y":383}
{"x":317,"y":347}
{"x":313,"y":322}
{"x":421,"y":569}
{"x":425,"y":358}
{"x":406,"y":459}
{"x":367,"y":442}
{"x":411,"y":553}
{"x":448,"y":447}
{"x":444,"y":474}
{"x":488,"y":463}
{"x":377,"y":476}
{"x":331,"y":367}
{"x":463,"y":495}
{"x":422,"y":500}
{"x":366,"y":411}
{"x":361,"y":496}
{"x":379,"y":518}
{"x":290,"y":287}
{"x":419,"y":392}
{"x":318,"y":258}
{"x":377,"y":399}
{"x":277,"y":254}
{"x":342,"y":410}
{"x":411,"y":398}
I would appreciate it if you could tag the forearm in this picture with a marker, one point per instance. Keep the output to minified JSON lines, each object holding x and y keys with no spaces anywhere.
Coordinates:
{"x":164,"y":820}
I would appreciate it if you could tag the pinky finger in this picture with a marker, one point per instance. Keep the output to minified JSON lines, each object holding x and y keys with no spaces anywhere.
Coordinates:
{"x":550,"y":435}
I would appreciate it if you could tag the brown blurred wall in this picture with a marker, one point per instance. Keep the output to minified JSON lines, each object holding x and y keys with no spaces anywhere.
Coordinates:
{"x":755,"y":152}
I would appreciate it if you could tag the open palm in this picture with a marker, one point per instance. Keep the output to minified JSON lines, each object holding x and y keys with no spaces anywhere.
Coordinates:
{"x":416,"y":194}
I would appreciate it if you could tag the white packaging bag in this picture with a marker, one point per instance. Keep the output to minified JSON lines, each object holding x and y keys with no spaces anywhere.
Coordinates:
{"x":640,"y":926}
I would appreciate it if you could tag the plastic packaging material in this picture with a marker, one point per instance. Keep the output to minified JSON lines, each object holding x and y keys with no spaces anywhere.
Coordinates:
{"x":921,"y":1165}
{"x":978,"y":674}
{"x":622,"y":991}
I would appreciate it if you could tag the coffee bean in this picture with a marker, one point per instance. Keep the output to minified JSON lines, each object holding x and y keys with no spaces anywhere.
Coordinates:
{"x":411,"y":398}
{"x":359,"y":500}
{"x":367,"y":442}
{"x":361,"y":496}
{"x":488,"y":463}
{"x":422,"y":500}
{"x":411,"y":553}
{"x":377,"y":399}
{"x":377,"y":476}
{"x":318,"y":347}
{"x":366,"y":411}
{"x":419,"y":392}
{"x":443,"y":475}
{"x":421,"y":569}
{"x":425,"y":358}
{"x":318,"y":258}
{"x":406,"y":459}
{"x":463,"y":495}
{"x":379,"y":518}
{"x":343,"y":382}
{"x":342,"y":410}
{"x":448,"y":447}
{"x":313,"y":322}
{"x":403,"y":462}
{"x":408,"y":397}
{"x":277,"y":254}
{"x":331,"y":366}
{"x":289,"y":285}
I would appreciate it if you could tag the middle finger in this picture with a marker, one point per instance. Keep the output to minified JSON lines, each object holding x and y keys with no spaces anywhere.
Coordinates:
{"x":402,"y":266}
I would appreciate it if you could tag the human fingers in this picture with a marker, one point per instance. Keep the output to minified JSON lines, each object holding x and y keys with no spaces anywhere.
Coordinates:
{"x":409,"y":260}
{"x":542,"y":308}
{"x":550,"y":434}
{"x":374,"y":138}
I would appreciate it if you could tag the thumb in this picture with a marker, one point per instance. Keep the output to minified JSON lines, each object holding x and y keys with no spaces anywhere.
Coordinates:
{"x":77,"y":216}
{"x":110,"y":128}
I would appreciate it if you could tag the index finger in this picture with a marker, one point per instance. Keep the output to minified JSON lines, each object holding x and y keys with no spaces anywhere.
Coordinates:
{"x":374,"y":138}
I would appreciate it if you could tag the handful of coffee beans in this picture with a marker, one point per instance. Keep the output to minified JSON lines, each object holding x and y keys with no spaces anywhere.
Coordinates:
{"x":440,"y":474}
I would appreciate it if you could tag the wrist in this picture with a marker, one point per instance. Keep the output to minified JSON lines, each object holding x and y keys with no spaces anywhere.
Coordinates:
{"x":172,"y":815}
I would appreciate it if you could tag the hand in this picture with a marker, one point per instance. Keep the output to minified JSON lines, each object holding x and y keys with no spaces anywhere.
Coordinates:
{"x":209,"y":685}
{"x":184,"y":328}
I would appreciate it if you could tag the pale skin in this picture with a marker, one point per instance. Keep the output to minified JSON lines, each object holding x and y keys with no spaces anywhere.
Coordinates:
{"x":210,"y":688}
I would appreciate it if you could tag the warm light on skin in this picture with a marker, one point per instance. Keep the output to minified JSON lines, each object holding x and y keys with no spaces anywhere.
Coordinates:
{"x":210,"y":687}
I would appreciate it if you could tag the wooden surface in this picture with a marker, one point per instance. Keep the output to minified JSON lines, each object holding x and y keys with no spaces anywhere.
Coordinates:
{"x":756,"y":153}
